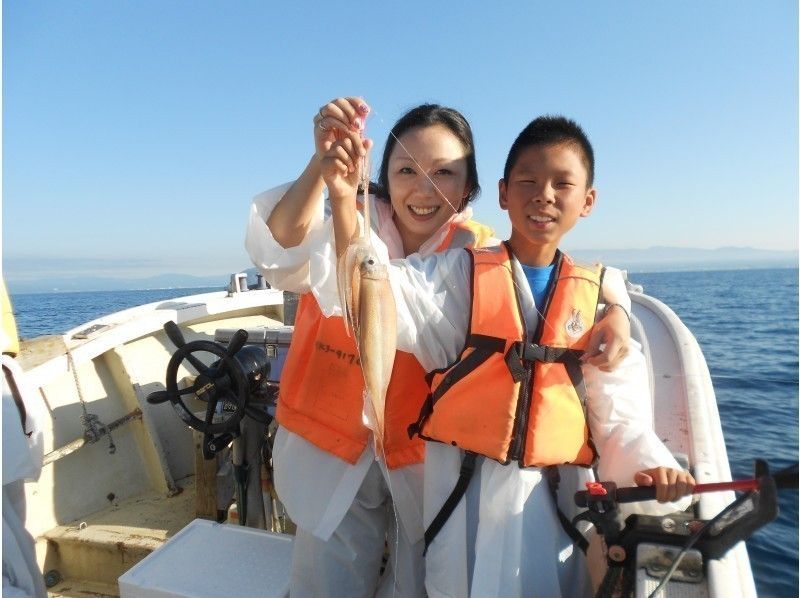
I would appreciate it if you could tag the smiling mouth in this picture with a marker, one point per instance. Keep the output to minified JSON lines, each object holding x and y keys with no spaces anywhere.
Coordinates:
{"x":542,"y":219}
{"x":423,"y":211}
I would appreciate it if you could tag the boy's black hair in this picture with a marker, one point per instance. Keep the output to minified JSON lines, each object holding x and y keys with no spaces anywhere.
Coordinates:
{"x":428,"y":115}
{"x":552,"y":130}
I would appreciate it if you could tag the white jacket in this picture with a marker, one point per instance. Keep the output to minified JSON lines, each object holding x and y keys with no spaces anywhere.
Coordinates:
{"x":316,"y":487}
{"x":505,"y":538}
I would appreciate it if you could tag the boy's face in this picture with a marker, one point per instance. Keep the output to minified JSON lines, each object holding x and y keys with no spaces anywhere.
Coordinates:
{"x":545,"y":194}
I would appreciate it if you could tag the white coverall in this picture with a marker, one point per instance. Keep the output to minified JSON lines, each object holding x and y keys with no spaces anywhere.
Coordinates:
{"x":22,"y":460}
{"x":333,"y":502}
{"x":505,"y":539}
{"x":343,"y":512}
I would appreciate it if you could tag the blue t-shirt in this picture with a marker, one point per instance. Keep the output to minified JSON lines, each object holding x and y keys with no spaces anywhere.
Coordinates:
{"x":539,"y":280}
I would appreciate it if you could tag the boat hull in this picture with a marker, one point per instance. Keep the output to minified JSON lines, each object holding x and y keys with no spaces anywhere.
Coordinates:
{"x":94,"y":510}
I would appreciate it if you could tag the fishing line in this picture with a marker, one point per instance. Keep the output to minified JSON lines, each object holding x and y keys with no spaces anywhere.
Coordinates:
{"x":519,"y":287}
{"x":367,"y":232}
{"x":694,"y":538}
{"x":455,"y":209}
{"x":443,"y":196}
{"x":413,"y":159}
{"x":366,"y":228}
{"x":382,"y":464}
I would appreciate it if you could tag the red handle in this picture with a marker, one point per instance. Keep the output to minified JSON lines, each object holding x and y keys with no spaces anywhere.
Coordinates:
{"x":738,"y":485}
{"x":639,"y":493}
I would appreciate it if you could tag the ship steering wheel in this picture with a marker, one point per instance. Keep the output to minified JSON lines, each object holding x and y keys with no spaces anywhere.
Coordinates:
{"x":223,"y":382}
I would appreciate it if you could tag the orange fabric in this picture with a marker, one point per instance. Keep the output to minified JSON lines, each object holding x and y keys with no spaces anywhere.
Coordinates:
{"x":467,"y":415}
{"x":558,"y":432}
{"x":481,"y":410}
{"x":466,"y":234}
{"x":321,"y":384}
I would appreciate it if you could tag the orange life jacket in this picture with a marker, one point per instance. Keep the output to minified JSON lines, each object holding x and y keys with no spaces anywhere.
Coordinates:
{"x":321,"y":383}
{"x":508,"y":397}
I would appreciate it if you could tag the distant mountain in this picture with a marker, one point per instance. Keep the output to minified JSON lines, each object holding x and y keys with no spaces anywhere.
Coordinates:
{"x":656,"y":259}
{"x":652,"y":259}
{"x":88,"y":283}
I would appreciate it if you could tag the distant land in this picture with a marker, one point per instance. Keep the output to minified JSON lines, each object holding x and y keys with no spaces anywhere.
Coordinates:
{"x":677,"y":259}
{"x":652,"y":259}
{"x":97,"y":283}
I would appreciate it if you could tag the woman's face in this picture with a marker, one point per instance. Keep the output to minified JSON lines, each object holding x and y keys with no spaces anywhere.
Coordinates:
{"x":427,"y":182}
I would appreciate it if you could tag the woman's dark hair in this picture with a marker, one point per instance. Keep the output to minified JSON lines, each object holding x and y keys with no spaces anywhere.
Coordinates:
{"x":427,"y":115}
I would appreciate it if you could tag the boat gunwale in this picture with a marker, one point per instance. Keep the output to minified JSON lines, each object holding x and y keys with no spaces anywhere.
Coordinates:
{"x":705,"y":428}
{"x":130,"y":324}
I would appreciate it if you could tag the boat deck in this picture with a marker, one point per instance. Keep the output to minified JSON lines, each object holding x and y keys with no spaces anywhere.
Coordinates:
{"x":103,"y":545}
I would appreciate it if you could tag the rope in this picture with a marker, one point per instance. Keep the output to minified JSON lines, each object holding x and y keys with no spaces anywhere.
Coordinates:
{"x":93,"y":428}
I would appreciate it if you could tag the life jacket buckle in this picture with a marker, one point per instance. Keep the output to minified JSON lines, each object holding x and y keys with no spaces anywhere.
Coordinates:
{"x":534,"y":352}
{"x":514,"y":361}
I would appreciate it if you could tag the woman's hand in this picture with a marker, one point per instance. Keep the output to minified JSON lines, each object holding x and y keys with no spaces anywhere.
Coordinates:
{"x":341,"y":151}
{"x":341,"y":171}
{"x":608,"y":343}
{"x":340,"y":144}
{"x":671,"y":484}
{"x":338,"y":119}
{"x":341,"y":167}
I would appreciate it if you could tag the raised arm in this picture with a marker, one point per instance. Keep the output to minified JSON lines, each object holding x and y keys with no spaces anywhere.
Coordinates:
{"x":340,"y":169}
{"x":339,"y":119}
{"x":291,"y":219}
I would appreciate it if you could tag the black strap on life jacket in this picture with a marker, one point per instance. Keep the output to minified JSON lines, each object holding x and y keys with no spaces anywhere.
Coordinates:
{"x":464,"y":477}
{"x":12,"y":387}
{"x":553,"y":480}
{"x":570,"y":358}
{"x":483,"y":347}
{"x":575,"y":374}
{"x":522,"y":351}
{"x":548,"y":354}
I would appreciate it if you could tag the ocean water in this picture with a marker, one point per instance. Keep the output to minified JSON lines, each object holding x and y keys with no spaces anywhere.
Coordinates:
{"x":55,"y":313}
{"x":746,"y":322}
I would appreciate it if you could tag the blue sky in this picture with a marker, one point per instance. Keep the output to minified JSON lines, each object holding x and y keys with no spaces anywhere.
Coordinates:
{"x":136,"y":132}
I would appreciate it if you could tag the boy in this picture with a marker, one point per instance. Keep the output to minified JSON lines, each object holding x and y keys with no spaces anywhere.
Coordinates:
{"x":501,"y":330}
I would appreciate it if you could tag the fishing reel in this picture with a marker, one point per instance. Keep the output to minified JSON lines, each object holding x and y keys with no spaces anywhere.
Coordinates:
{"x":225,"y":389}
{"x":655,"y":546}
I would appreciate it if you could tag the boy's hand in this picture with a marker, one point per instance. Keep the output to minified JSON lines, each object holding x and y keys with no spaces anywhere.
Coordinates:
{"x":608,"y":343}
{"x":671,"y":484}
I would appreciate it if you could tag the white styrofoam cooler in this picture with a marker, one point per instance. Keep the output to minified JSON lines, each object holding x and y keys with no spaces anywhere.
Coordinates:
{"x":209,"y":560}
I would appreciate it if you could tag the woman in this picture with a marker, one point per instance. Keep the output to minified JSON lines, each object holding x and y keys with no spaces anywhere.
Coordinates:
{"x":326,"y":473}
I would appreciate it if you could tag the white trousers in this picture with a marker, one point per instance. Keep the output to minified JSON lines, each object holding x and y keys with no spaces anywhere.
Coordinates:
{"x":21,"y":574}
{"x":349,"y":562}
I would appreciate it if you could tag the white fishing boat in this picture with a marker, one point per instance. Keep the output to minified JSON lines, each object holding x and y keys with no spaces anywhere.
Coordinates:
{"x":105,"y":501}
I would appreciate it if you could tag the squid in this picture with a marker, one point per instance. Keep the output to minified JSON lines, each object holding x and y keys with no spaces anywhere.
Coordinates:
{"x":369,"y":312}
